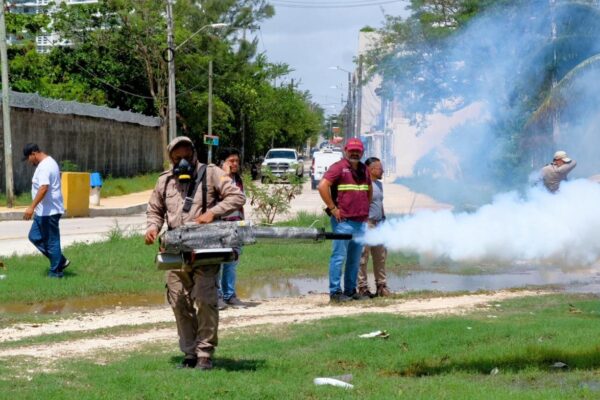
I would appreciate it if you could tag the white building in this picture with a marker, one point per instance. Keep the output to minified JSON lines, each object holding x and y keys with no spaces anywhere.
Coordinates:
{"x":46,"y":41}
{"x":370,"y":109}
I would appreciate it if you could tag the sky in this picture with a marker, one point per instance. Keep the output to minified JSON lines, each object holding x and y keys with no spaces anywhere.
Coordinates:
{"x":311,"y":40}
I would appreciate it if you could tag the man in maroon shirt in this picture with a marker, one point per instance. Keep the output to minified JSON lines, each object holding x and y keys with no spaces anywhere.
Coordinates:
{"x":346,"y":191}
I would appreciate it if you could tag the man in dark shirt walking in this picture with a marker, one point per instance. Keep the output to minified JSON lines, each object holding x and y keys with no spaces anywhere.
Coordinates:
{"x":346,"y":191}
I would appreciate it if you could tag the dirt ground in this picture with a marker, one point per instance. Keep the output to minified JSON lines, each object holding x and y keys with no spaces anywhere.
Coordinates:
{"x":265,"y":312}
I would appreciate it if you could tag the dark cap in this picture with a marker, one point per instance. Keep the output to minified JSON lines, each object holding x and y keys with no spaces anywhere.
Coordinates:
{"x":28,"y":149}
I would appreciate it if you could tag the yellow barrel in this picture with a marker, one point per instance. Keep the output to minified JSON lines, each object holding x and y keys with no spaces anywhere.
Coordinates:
{"x":76,"y":193}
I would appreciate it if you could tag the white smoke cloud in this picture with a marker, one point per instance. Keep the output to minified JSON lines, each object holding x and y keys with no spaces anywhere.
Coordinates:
{"x":560,"y":228}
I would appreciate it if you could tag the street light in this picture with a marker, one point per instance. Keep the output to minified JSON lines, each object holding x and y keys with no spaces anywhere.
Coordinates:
{"x":171,"y":65}
{"x":340,"y":69}
{"x":213,"y":26}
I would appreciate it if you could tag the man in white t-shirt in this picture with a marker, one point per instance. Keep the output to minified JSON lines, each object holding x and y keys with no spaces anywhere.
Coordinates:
{"x":46,"y":208}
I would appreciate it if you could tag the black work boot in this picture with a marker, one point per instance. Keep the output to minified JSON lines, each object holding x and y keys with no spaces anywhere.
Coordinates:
{"x":339,"y":297}
{"x":354,"y":295}
{"x":188,"y":363}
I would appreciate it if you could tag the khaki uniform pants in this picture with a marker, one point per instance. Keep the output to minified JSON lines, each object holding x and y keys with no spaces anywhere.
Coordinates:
{"x":379,"y":254}
{"x":193,"y":297}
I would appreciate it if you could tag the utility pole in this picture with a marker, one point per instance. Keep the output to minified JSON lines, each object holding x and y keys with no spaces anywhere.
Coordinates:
{"x":10,"y":191}
{"x":210,"y":79}
{"x":359,"y":88}
{"x":349,"y":108}
{"x":172,"y":114}
{"x":243,"y":126}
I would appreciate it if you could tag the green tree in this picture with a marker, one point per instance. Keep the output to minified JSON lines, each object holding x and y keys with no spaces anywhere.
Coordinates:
{"x":548,"y":53}
{"x":117,"y":57}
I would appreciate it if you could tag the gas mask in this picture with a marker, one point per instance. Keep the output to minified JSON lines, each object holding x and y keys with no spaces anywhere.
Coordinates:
{"x":183,"y":170}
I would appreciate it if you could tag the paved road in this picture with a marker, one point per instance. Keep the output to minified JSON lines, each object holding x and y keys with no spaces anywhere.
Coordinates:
{"x":13,"y":234}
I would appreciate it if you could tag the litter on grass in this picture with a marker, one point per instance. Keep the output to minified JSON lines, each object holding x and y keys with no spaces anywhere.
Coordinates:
{"x":380,"y":334}
{"x":332,"y":382}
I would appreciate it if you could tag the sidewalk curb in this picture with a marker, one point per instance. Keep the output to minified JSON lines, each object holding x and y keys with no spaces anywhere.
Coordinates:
{"x":94,"y":212}
{"x":118,"y":211}
{"x":11,"y":215}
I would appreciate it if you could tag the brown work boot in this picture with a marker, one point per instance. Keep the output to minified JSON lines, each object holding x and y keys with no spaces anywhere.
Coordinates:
{"x":383,"y":291}
{"x":204,"y":363}
{"x":365,"y":292}
{"x":221,"y":305}
{"x":234,"y":301}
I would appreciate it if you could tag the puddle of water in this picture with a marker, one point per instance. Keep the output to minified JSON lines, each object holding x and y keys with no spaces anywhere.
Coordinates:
{"x":85,"y":304}
{"x":580,"y":281}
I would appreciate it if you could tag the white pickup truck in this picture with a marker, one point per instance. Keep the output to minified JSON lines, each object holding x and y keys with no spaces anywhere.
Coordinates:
{"x":321,"y":161}
{"x":282,"y":162}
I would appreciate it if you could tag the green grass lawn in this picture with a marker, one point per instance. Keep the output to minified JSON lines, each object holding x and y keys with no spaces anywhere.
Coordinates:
{"x":124,"y":265}
{"x":22,"y":199}
{"x":502,"y":352}
{"x":120,"y":186}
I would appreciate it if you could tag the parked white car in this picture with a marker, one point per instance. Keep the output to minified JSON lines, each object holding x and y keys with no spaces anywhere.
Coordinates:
{"x":282,"y":162}
{"x":321,"y":162}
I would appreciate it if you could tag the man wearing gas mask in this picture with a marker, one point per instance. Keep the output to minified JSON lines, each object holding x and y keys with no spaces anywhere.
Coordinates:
{"x":192,"y":192}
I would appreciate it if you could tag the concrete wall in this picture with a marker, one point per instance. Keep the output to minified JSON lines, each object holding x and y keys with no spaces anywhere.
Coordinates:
{"x":93,"y":144}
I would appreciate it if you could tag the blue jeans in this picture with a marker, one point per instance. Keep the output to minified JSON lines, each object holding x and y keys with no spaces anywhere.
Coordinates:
{"x":228,"y":278}
{"x":45,"y":235}
{"x":348,"y":250}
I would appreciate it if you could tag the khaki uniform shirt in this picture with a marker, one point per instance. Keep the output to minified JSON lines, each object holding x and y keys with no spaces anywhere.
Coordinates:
{"x":552,"y":174}
{"x":168,"y":197}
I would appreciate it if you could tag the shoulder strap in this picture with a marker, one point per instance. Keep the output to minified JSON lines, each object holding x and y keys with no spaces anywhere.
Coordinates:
{"x":204,"y":189}
{"x":189,"y":199}
{"x":164,"y":193}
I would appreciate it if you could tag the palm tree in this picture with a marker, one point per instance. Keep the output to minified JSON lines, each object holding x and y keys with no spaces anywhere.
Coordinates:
{"x":570,"y":55}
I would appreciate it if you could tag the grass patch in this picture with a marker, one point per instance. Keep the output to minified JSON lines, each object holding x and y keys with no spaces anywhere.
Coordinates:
{"x":119,"y":265}
{"x":120,"y":186}
{"x":124,"y":265}
{"x":424,"y":358}
{"x":110,"y":187}
{"x":302,"y":258}
{"x":22,"y":199}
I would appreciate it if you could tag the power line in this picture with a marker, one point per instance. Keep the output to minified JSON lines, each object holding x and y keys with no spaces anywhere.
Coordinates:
{"x":262,"y":40}
{"x":131,"y":93}
{"x":113,"y":86}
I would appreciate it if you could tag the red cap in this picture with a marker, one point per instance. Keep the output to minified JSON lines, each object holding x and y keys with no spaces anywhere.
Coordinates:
{"x":354,"y":144}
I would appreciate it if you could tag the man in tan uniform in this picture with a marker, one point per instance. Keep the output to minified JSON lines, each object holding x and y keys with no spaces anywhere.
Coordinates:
{"x":193,"y":294}
{"x":557,"y":171}
{"x":379,"y":253}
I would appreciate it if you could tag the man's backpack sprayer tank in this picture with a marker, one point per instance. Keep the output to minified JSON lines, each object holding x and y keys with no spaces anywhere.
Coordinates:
{"x":193,"y":245}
